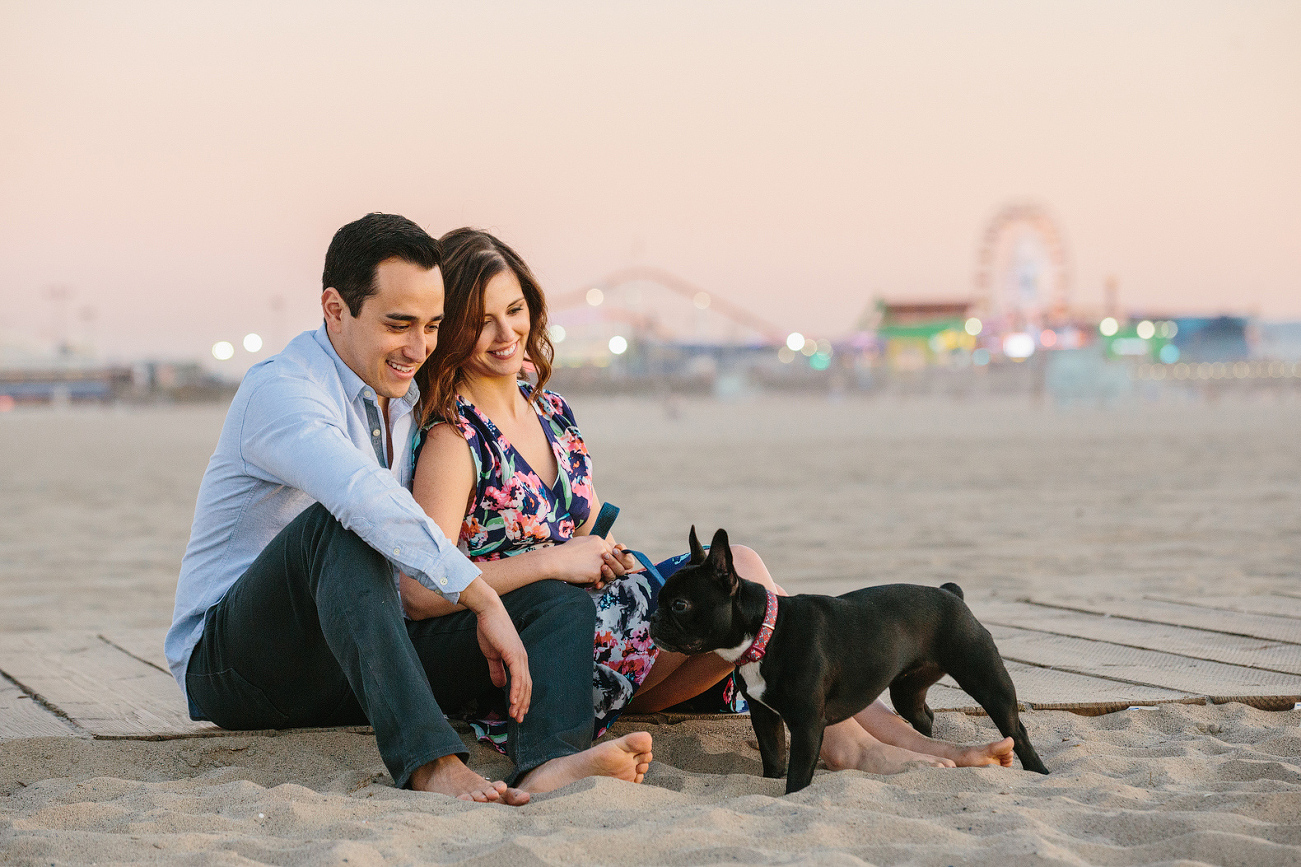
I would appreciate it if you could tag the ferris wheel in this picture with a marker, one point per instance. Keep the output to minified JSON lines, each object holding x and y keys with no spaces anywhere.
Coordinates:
{"x":1022,"y":271}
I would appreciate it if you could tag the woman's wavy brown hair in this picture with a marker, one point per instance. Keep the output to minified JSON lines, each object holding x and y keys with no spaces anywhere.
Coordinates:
{"x":471,"y":258}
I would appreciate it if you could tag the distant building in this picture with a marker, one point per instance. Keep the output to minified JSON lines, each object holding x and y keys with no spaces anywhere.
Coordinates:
{"x":916,"y":334}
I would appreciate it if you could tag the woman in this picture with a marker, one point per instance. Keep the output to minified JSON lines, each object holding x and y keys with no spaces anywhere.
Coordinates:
{"x":483,"y":478}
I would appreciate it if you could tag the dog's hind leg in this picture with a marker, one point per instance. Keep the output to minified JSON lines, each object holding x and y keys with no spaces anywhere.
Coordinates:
{"x":983,"y":676}
{"x":908,"y":695}
{"x":770,"y":731}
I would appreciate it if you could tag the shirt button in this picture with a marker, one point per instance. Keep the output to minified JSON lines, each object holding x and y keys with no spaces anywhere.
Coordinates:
{"x":442,"y":581}
{"x":397,"y":550}
{"x":367,"y":393}
{"x":375,"y":432}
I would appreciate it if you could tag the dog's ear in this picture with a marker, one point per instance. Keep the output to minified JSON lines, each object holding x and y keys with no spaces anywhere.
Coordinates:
{"x":697,"y":552}
{"x":720,"y":560}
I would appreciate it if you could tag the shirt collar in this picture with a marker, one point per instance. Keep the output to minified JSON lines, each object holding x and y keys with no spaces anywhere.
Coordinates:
{"x":354,"y":387}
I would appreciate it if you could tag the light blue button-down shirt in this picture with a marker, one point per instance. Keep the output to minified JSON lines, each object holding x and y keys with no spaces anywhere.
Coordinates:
{"x":303,"y":428}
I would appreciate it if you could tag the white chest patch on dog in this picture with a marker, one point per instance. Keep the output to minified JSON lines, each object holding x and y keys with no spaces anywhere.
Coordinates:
{"x":755,"y":686}
{"x":754,"y":682}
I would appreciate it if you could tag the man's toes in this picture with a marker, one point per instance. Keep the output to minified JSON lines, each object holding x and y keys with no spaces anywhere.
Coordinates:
{"x":515,"y":797}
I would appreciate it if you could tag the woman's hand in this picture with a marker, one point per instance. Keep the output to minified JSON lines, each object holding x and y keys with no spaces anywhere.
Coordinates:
{"x":589,"y":560}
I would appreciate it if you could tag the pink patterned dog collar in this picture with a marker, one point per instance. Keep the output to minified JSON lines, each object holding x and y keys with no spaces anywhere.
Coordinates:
{"x":760,"y":645}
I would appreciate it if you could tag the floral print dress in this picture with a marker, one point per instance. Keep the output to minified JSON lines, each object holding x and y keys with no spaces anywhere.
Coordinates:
{"x":515,"y":511}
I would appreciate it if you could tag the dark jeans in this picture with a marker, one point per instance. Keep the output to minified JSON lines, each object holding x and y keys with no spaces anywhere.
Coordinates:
{"x":313,"y":635}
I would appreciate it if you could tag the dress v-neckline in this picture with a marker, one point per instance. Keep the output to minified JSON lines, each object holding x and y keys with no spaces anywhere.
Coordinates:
{"x":507,"y":444}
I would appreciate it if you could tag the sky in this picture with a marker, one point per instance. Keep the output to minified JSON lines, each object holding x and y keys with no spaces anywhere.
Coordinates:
{"x":171,"y":173}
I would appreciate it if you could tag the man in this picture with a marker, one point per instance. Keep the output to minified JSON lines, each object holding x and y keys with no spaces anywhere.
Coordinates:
{"x":287,"y":609}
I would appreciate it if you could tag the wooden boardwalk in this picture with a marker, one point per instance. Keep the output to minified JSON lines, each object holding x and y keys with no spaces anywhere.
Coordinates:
{"x":1090,"y":659}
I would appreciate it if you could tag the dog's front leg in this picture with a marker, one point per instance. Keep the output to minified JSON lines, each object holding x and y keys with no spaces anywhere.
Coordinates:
{"x":806,"y":743}
{"x":771,"y":734}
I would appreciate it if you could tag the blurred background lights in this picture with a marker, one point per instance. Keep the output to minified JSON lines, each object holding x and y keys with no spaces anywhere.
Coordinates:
{"x":810,"y":346}
{"x":1048,"y":338}
{"x":1108,"y":327}
{"x":252,"y":342}
{"x":223,"y":350}
{"x":618,"y":345}
{"x":980,"y":357}
{"x":1146,"y":330}
{"x":1018,"y":345}
{"x":1169,"y":354}
{"x":973,"y":326}
{"x":819,"y":361}
{"x":701,"y":300}
{"x":556,"y":333}
{"x":786,"y":355}
{"x":795,"y":341}
{"x":595,"y":297}
{"x":1168,"y":329}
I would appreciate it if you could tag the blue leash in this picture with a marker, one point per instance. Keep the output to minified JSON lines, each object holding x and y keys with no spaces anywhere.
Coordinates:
{"x":604,"y":521}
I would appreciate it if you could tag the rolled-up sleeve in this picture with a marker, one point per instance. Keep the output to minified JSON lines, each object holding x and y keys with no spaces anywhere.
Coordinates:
{"x":292,"y":434}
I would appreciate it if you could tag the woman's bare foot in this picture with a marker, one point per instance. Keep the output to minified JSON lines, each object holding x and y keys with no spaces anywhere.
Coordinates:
{"x":625,"y":758}
{"x":878,"y":758}
{"x":996,"y":753}
{"x":450,"y":776}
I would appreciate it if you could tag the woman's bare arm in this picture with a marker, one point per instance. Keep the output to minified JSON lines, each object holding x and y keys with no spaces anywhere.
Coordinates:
{"x":443,"y":485}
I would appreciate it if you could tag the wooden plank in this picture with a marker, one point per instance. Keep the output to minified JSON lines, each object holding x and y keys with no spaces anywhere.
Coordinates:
{"x":1272,"y":604}
{"x":143,"y":644}
{"x":1216,"y":680}
{"x":23,"y":717}
{"x":1178,"y":614}
{"x":1054,"y":689}
{"x":1179,"y":640}
{"x":101,"y":689}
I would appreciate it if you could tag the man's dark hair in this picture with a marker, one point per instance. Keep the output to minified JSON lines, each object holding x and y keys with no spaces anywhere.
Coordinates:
{"x":359,"y":247}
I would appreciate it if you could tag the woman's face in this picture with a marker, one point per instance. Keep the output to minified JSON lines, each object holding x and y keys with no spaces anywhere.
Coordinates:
{"x":500,"y":350}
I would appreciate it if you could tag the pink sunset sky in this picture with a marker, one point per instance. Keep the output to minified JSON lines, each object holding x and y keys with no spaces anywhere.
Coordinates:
{"x":178,"y":167}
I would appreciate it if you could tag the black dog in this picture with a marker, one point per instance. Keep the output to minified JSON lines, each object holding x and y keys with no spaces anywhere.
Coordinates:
{"x":828,"y":657}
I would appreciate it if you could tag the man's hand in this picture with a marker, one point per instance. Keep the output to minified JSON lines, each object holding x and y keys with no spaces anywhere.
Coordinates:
{"x":501,"y":645}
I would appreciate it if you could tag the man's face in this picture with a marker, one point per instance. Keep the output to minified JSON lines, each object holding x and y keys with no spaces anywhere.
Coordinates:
{"x":395,"y":330}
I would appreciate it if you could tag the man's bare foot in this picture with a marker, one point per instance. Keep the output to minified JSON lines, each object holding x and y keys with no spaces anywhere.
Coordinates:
{"x":450,"y":776}
{"x":874,"y":757}
{"x":625,"y":758}
{"x":996,"y":753}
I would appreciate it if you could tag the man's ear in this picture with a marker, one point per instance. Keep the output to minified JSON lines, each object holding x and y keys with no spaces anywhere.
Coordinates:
{"x":334,"y":309}
{"x":697,"y":552}
{"x":720,"y":561}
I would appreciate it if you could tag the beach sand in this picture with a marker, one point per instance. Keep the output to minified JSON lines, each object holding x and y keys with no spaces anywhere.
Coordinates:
{"x":1006,"y":497}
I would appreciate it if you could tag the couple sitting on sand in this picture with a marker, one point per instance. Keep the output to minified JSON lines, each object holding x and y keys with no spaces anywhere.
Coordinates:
{"x":320,"y":587}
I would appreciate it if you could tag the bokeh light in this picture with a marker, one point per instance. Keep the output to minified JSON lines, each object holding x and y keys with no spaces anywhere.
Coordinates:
{"x":1018,"y":345}
{"x":973,"y":326}
{"x":252,"y":342}
{"x":223,"y":350}
{"x":795,"y":341}
{"x":618,"y":345}
{"x":595,"y":297}
{"x":1108,"y":327}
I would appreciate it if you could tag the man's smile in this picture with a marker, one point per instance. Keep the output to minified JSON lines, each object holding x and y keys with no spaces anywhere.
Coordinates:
{"x":402,"y":369}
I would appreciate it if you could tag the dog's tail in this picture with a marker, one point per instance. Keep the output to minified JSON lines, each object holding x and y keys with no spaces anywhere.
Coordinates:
{"x":954,"y":589}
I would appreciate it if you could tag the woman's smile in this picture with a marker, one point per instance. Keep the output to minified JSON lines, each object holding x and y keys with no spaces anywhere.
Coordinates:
{"x":505,"y":352}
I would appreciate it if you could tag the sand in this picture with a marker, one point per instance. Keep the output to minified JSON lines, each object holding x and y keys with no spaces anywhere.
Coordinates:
{"x":1004,"y":496}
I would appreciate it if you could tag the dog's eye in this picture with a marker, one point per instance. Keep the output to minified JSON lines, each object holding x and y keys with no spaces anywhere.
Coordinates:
{"x":680,"y":605}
